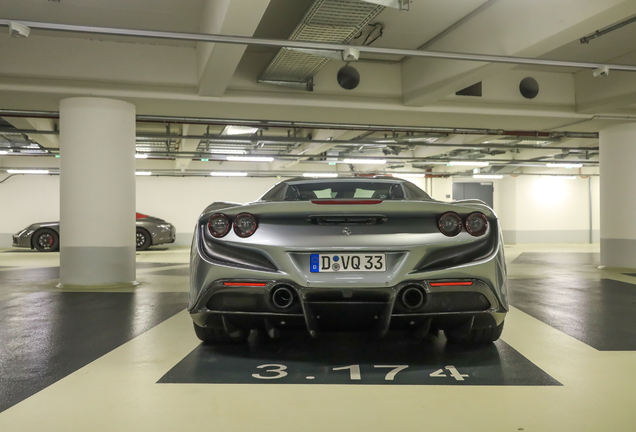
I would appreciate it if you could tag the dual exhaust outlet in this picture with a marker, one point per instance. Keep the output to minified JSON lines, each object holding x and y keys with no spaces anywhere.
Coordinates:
{"x":283,"y":296}
{"x":411,"y":296}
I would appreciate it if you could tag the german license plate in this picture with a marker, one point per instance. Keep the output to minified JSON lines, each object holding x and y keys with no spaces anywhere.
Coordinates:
{"x":329,"y":263}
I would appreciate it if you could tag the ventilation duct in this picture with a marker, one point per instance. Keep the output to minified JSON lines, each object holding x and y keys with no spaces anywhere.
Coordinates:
{"x":333,"y":21}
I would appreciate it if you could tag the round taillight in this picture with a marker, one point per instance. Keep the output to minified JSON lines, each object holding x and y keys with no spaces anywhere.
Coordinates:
{"x":450,"y":224}
{"x":476,"y":224}
{"x":244,"y":225}
{"x":218,"y":225}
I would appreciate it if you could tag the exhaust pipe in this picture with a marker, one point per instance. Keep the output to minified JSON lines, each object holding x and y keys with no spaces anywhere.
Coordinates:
{"x":282,"y":296}
{"x":412,"y":297}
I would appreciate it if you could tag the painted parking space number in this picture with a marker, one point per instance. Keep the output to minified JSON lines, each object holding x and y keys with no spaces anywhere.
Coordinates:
{"x":454,"y":373}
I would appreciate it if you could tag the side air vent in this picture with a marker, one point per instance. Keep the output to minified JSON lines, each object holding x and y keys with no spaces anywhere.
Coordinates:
{"x":348,"y":220}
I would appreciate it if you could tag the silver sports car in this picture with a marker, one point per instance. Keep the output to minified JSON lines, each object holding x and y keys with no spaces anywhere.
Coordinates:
{"x":348,"y":254}
{"x":45,"y":236}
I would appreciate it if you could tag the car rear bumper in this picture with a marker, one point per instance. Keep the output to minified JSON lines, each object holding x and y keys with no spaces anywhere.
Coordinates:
{"x":348,"y":309}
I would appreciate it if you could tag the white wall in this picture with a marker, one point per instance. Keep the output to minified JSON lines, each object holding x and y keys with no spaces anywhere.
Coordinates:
{"x":531,"y":209}
{"x":26,"y":199}
{"x":544,"y":209}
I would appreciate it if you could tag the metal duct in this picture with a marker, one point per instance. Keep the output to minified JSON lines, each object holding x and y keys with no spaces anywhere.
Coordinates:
{"x":334,"y":21}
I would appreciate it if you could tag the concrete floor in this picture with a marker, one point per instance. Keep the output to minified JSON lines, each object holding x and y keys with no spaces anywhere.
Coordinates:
{"x":128,"y":360}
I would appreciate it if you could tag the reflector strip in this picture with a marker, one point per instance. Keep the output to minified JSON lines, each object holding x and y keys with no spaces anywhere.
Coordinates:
{"x":256,"y":284}
{"x":437,"y":284}
{"x":346,"y":202}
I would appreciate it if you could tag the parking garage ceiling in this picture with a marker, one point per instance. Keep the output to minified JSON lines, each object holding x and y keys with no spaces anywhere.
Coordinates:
{"x":218,"y":84}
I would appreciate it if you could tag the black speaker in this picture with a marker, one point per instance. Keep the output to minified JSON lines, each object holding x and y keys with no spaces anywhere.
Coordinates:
{"x":348,"y":77}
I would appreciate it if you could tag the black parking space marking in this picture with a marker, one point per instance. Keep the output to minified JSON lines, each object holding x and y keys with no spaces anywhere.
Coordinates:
{"x":46,"y":336}
{"x":357,"y":359}
{"x":40,"y":274}
{"x":601,"y":314}
{"x":183,"y":271}
{"x":24,"y":275}
{"x":559,"y":259}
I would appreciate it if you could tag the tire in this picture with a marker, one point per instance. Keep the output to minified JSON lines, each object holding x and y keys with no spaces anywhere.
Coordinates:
{"x":143,"y":239}
{"x":475,"y":336}
{"x":212,"y":335}
{"x":46,"y":240}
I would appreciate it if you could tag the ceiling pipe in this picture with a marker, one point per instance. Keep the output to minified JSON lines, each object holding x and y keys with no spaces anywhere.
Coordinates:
{"x":321,"y":125}
{"x":244,"y":40}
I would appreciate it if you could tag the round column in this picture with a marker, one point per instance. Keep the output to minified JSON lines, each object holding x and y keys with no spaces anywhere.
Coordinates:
{"x":97,"y":191}
{"x":618,"y":195}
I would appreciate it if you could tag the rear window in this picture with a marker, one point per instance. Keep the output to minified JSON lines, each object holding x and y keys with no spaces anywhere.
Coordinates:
{"x":344,"y":190}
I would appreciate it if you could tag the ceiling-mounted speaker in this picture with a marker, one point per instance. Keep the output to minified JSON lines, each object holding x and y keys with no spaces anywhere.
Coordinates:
{"x":348,"y":77}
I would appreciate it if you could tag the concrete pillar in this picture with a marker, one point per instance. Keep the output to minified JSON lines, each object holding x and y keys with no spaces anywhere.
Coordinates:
{"x":618,"y":195}
{"x":97,"y":191}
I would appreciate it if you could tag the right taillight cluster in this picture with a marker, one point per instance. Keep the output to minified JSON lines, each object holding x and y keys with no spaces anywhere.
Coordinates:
{"x":450,"y":224}
{"x":244,"y":225}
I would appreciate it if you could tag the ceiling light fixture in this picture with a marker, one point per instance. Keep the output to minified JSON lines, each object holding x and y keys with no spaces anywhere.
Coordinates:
{"x":250,"y":158}
{"x":12,"y":171}
{"x":325,"y":175}
{"x":228,"y":174}
{"x":141,"y":156}
{"x":564,"y":165}
{"x":2,"y":152}
{"x":488,"y":176}
{"x":364,"y":161}
{"x":239,"y":130}
{"x":468,"y":163}
{"x":143,"y":173}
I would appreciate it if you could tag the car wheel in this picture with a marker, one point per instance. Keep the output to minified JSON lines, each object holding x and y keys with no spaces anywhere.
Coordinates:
{"x":46,"y":240}
{"x":475,"y":336}
{"x":213,"y":335}
{"x":143,"y":239}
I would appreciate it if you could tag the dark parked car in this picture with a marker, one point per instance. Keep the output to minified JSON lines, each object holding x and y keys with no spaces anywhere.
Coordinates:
{"x":45,"y":236}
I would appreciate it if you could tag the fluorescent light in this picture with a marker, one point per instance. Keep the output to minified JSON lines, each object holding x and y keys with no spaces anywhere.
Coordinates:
{"x":475,"y":163}
{"x":250,"y":159}
{"x":2,"y":152}
{"x":365,"y":161}
{"x":227,"y":151}
{"x":327,"y":175}
{"x":487,"y":176}
{"x":228,"y":174}
{"x":239,"y":130}
{"x":141,"y":156}
{"x":409,"y":175}
{"x":27,"y":171}
{"x":143,"y":173}
{"x":564,"y":165}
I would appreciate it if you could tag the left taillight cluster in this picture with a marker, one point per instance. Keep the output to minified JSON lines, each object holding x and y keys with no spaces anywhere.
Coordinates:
{"x":450,"y":224}
{"x":244,"y":225}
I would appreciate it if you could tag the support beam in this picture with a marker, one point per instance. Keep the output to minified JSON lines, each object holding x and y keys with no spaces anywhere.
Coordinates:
{"x":509,"y":29}
{"x":309,"y":149}
{"x":217,"y":62}
{"x":189,"y":145}
{"x":43,"y":124}
{"x":604,"y":94}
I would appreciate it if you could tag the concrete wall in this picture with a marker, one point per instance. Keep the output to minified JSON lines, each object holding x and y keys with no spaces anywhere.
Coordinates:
{"x":532,"y":209}
{"x":26,"y":199}
{"x":544,"y":209}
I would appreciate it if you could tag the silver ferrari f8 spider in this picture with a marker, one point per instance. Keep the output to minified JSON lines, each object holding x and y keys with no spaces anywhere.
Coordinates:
{"x":348,"y":254}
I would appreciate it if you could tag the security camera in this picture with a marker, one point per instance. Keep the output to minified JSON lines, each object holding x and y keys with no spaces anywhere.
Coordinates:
{"x":350,"y":54}
{"x":601,"y":72}
{"x":18,"y":30}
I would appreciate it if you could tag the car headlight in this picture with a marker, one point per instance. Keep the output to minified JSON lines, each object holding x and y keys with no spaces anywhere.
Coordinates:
{"x":164,"y":226}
